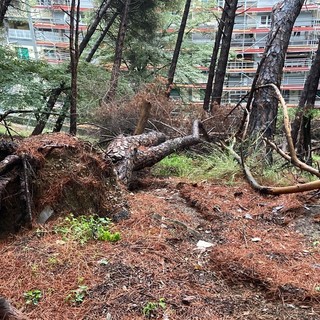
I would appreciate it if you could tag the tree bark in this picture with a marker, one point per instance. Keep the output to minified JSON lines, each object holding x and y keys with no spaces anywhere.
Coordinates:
{"x":44,"y":116}
{"x":74,"y":60}
{"x":62,"y":115}
{"x":101,"y":37}
{"x":301,"y":125}
{"x":4,"y":5}
{"x":143,"y":118}
{"x":113,"y":84}
{"x":127,"y":155}
{"x":8,"y":312}
{"x":93,"y":26}
{"x":213,"y":61}
{"x":231,"y":8}
{"x":265,"y":104}
{"x":177,"y":48}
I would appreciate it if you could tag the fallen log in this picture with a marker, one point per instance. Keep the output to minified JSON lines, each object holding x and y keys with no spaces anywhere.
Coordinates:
{"x":133,"y":153}
{"x":267,"y":189}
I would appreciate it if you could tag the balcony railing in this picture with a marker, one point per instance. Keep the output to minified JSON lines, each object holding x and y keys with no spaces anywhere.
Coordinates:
{"x":19,"y":34}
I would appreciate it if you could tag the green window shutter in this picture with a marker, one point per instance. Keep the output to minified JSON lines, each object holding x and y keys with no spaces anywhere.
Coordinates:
{"x":23,"y":53}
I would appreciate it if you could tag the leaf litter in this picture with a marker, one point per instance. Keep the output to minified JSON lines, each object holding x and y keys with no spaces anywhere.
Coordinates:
{"x":276,"y":277}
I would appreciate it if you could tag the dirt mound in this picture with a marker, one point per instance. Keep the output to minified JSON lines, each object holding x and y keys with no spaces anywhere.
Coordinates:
{"x":65,"y":176}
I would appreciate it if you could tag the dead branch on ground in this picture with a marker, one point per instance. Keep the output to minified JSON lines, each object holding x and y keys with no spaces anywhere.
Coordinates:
{"x":292,"y":158}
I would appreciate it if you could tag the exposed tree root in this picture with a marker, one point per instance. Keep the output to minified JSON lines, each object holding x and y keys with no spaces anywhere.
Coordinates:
{"x":58,"y":171}
{"x":8,"y":312}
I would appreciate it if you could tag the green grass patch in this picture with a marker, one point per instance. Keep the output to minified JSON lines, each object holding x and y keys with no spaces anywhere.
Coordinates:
{"x":85,"y":228}
{"x":178,"y":165}
{"x":214,"y":166}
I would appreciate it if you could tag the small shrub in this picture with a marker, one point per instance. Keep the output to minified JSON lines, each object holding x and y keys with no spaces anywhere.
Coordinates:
{"x":152,"y":308}
{"x":32,"y":296}
{"x":85,"y":228}
{"x":216,"y":165}
{"x":178,"y":165}
{"x":78,"y":295}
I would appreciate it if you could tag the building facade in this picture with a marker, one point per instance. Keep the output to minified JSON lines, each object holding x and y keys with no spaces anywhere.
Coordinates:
{"x":251,"y":27}
{"x":40,"y":29}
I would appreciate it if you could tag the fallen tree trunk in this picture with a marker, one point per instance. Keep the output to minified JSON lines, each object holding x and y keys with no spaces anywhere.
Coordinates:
{"x":133,"y":153}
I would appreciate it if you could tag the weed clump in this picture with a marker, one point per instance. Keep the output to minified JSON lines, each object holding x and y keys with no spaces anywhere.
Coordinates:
{"x":213,"y":166}
{"x":85,"y":228}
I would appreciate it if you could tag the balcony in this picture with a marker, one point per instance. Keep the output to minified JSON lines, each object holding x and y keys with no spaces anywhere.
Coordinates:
{"x":19,"y":34}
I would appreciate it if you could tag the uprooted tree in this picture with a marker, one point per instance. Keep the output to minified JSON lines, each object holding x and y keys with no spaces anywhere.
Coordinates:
{"x":58,"y":173}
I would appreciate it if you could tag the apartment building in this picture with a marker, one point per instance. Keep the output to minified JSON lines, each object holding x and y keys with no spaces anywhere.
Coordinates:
{"x":251,"y":27}
{"x":40,"y":29}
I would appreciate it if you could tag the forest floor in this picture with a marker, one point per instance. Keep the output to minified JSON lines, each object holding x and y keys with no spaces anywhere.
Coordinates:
{"x":260,"y":259}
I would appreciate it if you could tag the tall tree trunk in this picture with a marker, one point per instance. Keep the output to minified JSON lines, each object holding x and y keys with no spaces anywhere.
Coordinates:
{"x":56,"y":92}
{"x":177,"y":48}
{"x":62,"y":115}
{"x":213,"y":61}
{"x":111,"y":93}
{"x":230,"y":8}
{"x":302,"y":123}
{"x":4,"y":5}
{"x":74,"y":60}
{"x":44,"y":116}
{"x":93,"y":26}
{"x":265,"y":104}
{"x":102,"y":36}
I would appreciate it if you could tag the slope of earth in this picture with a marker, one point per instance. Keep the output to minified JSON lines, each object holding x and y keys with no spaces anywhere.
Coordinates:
{"x":263,"y":261}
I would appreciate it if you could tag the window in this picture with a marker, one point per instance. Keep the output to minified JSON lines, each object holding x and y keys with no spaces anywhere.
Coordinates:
{"x":265,"y":20}
{"x":21,"y":25}
{"x":175,"y":93}
{"x":44,"y":2}
{"x":23,"y":53}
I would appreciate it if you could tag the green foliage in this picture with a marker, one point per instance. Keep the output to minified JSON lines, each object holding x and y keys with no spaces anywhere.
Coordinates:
{"x":219,"y":166}
{"x":271,"y":175}
{"x":85,"y":228}
{"x":32,"y":296}
{"x":151,"y":308}
{"x":92,"y":84}
{"x":179,"y":165}
{"x":216,"y":165}
{"x":25,"y":83}
{"x":78,"y":295}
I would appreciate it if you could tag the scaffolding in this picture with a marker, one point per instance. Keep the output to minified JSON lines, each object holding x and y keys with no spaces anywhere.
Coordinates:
{"x":52,"y":29}
{"x":250,"y":33}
